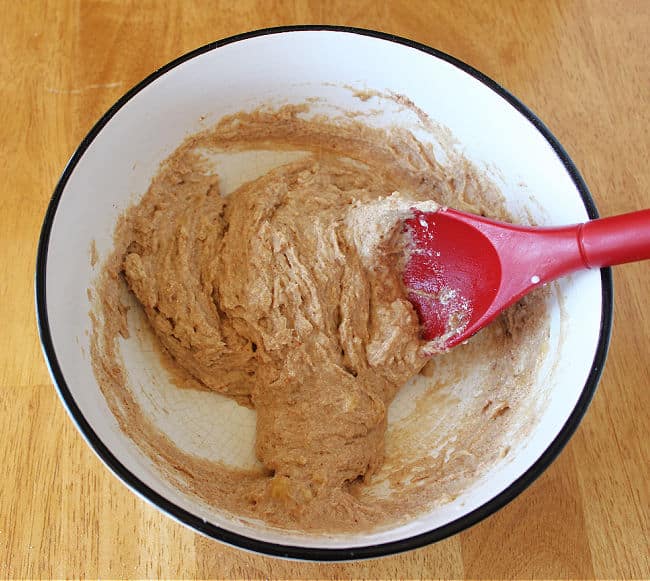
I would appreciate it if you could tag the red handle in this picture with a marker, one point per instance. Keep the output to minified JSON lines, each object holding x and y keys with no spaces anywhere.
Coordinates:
{"x":616,"y":240}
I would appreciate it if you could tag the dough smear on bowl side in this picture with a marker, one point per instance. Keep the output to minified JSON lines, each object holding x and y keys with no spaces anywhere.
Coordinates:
{"x":286,"y":296}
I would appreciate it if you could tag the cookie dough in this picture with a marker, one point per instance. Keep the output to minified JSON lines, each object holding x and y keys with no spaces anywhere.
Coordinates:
{"x":286,"y":296}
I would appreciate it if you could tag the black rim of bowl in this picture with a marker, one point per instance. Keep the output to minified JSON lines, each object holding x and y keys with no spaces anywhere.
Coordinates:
{"x":312,"y":553}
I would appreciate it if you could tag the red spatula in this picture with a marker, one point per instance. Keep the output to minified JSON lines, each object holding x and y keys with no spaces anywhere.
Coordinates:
{"x":463,"y":269}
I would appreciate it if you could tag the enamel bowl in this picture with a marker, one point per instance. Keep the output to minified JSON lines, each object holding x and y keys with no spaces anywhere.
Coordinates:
{"x":116,"y":161}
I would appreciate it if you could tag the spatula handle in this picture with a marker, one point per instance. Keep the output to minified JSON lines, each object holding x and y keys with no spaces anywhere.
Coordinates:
{"x":616,"y":240}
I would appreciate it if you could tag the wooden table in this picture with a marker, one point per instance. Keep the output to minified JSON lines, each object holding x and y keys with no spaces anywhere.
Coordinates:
{"x":582,"y":66}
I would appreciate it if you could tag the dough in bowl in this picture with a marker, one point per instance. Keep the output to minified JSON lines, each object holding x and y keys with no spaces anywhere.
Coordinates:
{"x":286,"y":296}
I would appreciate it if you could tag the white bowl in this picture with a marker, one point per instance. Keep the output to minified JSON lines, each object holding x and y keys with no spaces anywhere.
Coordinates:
{"x":122,"y":152}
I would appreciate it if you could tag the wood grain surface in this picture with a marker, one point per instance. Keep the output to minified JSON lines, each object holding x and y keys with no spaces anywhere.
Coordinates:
{"x":582,"y":66}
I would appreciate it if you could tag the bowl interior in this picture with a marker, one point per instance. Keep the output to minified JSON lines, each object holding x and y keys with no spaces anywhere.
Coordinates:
{"x":117,"y":161}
